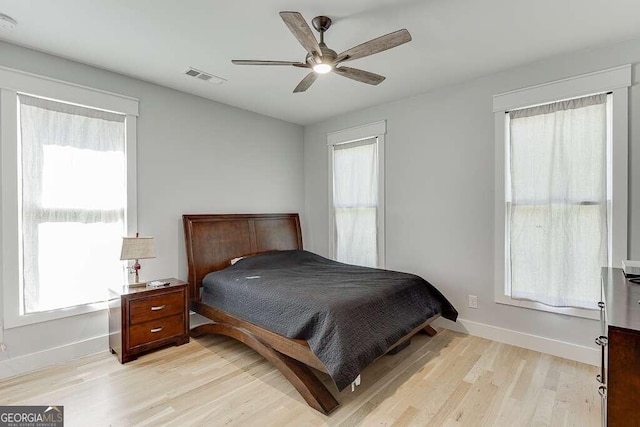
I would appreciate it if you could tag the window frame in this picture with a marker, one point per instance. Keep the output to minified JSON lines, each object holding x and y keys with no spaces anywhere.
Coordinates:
{"x":376,"y":130}
{"x":13,"y":82}
{"x":615,"y":80}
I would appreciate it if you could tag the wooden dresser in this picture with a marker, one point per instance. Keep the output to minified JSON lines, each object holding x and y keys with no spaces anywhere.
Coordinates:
{"x":619,"y":340}
{"x":142,"y":319}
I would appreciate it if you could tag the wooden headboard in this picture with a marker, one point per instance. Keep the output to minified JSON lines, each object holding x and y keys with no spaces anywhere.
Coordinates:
{"x":214,"y":240}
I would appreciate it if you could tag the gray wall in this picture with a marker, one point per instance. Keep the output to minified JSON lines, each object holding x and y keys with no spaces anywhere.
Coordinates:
{"x":440,"y":187}
{"x":194,"y":156}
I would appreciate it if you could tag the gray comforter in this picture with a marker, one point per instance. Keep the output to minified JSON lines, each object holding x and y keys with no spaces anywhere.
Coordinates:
{"x":349,"y":315}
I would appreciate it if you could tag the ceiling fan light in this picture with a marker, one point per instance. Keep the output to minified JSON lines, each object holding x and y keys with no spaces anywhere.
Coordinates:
{"x":322,"y":68}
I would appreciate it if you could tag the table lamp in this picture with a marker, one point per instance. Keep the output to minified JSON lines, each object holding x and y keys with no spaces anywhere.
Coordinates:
{"x":135,"y":248}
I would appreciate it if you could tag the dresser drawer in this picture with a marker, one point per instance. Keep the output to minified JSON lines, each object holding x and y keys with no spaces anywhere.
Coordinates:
{"x":620,"y":317}
{"x":154,"y":330}
{"x":156,"y":307}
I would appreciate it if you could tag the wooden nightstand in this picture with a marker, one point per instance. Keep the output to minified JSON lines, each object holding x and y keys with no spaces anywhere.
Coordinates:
{"x":142,"y":319}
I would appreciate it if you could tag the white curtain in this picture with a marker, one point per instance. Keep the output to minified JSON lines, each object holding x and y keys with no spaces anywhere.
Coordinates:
{"x":355,"y":201}
{"x":73,"y":202}
{"x":557,"y":206}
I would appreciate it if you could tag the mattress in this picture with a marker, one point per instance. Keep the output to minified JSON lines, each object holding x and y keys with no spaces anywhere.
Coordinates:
{"x":349,"y":315}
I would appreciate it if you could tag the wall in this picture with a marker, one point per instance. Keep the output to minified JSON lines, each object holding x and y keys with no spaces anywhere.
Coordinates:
{"x":440,"y":194}
{"x":194,"y":156}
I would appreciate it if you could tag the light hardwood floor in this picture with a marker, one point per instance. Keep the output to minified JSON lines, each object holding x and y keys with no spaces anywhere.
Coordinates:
{"x":449,"y":380}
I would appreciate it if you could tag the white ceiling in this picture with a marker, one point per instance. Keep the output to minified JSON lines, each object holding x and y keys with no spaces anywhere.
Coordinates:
{"x":453,"y":40}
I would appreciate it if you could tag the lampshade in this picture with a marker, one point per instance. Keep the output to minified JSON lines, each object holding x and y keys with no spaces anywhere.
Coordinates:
{"x":137,"y":248}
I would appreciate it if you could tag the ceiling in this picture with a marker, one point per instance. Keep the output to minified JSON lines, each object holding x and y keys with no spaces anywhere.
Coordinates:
{"x":453,"y":40}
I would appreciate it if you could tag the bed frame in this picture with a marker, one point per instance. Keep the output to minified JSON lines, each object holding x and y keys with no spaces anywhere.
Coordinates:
{"x":212,"y":241}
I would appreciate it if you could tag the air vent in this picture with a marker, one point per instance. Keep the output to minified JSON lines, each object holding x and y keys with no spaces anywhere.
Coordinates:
{"x":205,"y":76}
{"x":7,"y":22}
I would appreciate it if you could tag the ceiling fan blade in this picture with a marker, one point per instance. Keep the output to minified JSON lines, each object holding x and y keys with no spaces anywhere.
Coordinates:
{"x":306,"y":82}
{"x":359,"y":75}
{"x":300,"y":29}
{"x":252,"y":62}
{"x":379,"y":44}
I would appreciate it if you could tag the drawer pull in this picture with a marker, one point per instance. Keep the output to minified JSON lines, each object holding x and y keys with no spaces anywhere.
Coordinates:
{"x":602,"y":390}
{"x":157,"y":307}
{"x":602,"y":341}
{"x":601,"y":304}
{"x":154,"y":330}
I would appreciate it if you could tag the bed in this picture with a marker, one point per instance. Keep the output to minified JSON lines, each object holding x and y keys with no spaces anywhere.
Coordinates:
{"x":267,"y":300}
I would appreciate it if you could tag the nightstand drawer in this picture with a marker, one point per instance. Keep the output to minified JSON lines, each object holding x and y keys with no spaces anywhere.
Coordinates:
{"x":156,"y":307}
{"x":154,"y":330}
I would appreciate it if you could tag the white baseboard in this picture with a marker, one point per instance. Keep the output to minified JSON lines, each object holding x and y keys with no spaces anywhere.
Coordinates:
{"x":562,"y":349}
{"x":31,"y":362}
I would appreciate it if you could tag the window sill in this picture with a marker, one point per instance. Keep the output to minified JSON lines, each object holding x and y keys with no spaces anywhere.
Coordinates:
{"x":567,"y":311}
{"x":47,"y":316}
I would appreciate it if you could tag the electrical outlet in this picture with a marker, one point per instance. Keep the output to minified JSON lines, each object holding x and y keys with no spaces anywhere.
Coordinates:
{"x":473,"y":301}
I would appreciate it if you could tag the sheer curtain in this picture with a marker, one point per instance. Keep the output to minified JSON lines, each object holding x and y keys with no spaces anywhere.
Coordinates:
{"x":73,"y":202}
{"x":355,"y":201}
{"x":557,"y":207}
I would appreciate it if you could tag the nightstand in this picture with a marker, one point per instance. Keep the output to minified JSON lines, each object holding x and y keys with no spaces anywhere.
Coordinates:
{"x":143,"y":319}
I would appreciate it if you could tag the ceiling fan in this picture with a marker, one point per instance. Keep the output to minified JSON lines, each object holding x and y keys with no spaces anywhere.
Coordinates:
{"x":323,"y":60}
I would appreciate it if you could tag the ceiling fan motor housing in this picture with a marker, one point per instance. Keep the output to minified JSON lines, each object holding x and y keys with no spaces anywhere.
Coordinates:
{"x":328,"y":56}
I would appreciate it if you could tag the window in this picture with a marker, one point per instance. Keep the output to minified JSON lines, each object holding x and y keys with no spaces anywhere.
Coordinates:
{"x":557,"y":201}
{"x":74,"y":197}
{"x":563,"y":200}
{"x":355,"y":202}
{"x":356,"y":196}
{"x":68,"y":195}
